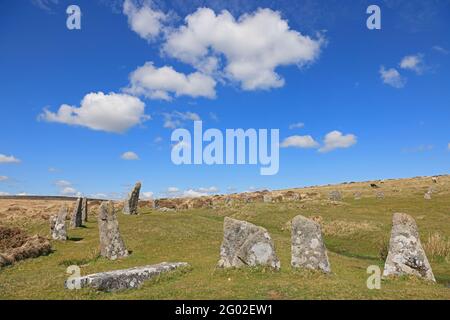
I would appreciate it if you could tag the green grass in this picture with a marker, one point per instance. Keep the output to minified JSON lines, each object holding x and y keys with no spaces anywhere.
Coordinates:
{"x":195,"y":236}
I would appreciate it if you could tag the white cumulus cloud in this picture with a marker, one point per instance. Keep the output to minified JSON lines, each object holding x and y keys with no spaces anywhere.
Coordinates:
{"x":392,"y":77}
{"x":129,"y":155}
{"x":8,"y":159}
{"x":147,"y":195}
{"x":144,"y":20}
{"x":299,"y":142}
{"x":162,"y":83}
{"x":414,"y":63}
{"x":335,"y":140}
{"x":3,"y":178}
{"x":297,"y":125}
{"x":111,"y":112}
{"x":251,"y":47}
{"x":176,"y":119}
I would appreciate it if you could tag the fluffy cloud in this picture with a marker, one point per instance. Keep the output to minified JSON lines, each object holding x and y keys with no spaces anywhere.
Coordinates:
{"x":297,"y":125}
{"x":4,"y":193}
{"x":448,"y":146}
{"x":129,"y":155}
{"x":252,"y":46}
{"x":335,"y":140}
{"x":173,"y":190}
{"x":63,"y":183}
{"x":65,"y":188}
{"x":392,"y":77}
{"x":163,"y":83}
{"x":3,"y":178}
{"x":147,"y":195}
{"x":111,"y":112}
{"x":8,"y":159}
{"x":177,"y":119}
{"x":193,"y":194}
{"x":414,"y":63}
{"x":144,"y":20}
{"x":212,"y":189}
{"x":299,"y":142}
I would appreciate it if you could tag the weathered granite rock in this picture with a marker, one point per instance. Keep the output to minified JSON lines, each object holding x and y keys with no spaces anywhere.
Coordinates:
{"x":58,"y":225}
{"x":131,"y":203}
{"x":406,"y":255}
{"x":112,"y":245}
{"x":267,"y":198}
{"x":357,"y":195}
{"x":245,"y":244}
{"x":335,"y":195}
{"x":379,"y":195}
{"x":123,"y":279}
{"x":308,"y":249}
{"x":84,"y":210}
{"x":76,"y":220}
{"x":427,"y":196}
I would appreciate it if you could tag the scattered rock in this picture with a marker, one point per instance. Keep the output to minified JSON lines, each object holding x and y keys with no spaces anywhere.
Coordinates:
{"x":267,"y":198}
{"x":112,"y":245}
{"x":123,"y":279}
{"x":335,"y":195}
{"x":84,"y":210}
{"x":76,"y":220}
{"x":379,"y":195}
{"x":427,"y":196}
{"x":406,"y":255}
{"x":131,"y":204}
{"x":245,"y":244}
{"x":357,"y":195}
{"x":308,"y":249}
{"x":58,"y":225}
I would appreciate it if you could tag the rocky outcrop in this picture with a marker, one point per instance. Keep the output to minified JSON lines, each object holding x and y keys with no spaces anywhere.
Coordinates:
{"x":123,"y":279}
{"x":58,"y":225}
{"x":245,"y":244}
{"x":307,"y":247}
{"x":131,"y":203}
{"x":76,"y":220}
{"x":112,"y":245}
{"x":406,"y":255}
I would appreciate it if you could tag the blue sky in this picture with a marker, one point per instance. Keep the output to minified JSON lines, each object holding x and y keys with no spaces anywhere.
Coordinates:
{"x":132,"y":74}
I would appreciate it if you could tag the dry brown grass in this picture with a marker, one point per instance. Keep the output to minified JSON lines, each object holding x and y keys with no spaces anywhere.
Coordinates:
{"x":344,"y":228}
{"x":437,"y":247}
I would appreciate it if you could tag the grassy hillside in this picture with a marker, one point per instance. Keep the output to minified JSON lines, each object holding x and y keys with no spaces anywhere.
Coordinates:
{"x":354,"y":230}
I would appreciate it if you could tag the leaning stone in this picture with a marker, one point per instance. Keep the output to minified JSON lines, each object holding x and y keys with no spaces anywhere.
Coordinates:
{"x":122,"y":279}
{"x":84,"y":210}
{"x":245,"y":244}
{"x":335,"y":195}
{"x":58,"y":225}
{"x":76,"y":220}
{"x":131,"y":203}
{"x":308,"y":249}
{"x":406,"y":255}
{"x":112,"y":245}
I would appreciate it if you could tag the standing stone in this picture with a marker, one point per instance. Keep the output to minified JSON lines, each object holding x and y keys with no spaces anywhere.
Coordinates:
{"x":76,"y":220}
{"x":308,"y":249}
{"x":84,"y":210}
{"x":245,"y":244}
{"x":131,"y":203}
{"x":58,"y":225}
{"x":427,"y":196}
{"x":406,"y":255}
{"x":112,"y":245}
{"x":335,"y":195}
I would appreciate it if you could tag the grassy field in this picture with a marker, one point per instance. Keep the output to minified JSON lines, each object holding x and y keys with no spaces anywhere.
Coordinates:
{"x":354,"y":232}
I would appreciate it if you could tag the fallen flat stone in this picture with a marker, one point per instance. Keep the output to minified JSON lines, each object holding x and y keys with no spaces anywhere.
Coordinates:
{"x":245,"y":244}
{"x":406,"y":255}
{"x":58,"y":225}
{"x":112,"y":245}
{"x":307,"y":247}
{"x":123,"y":279}
{"x":76,"y":220}
{"x":131,"y":203}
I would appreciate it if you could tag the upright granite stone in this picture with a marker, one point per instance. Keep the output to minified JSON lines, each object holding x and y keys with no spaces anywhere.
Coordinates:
{"x":406,"y":255}
{"x":123,"y":279}
{"x":76,"y":220}
{"x":245,"y":244}
{"x":58,"y":225}
{"x":307,"y":247}
{"x":335,"y":195}
{"x":84,"y":210}
{"x":112,"y":245}
{"x":427,"y":196}
{"x":131,"y":203}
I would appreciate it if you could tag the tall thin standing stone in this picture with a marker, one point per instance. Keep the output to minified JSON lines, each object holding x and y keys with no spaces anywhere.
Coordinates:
{"x":131,"y":203}
{"x":76,"y":220}
{"x":58,"y":225}
{"x":112,"y":245}
{"x":84,"y":210}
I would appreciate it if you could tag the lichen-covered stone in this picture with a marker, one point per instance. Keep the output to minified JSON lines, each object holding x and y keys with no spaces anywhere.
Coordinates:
{"x":335,"y":195}
{"x":112,"y":245}
{"x":84,"y":210}
{"x":131,"y":203}
{"x":122,"y":279}
{"x":406,"y":255}
{"x":58,"y":225}
{"x":357,"y":195}
{"x":427,"y":196}
{"x":76,"y":220}
{"x":307,"y":247}
{"x":245,"y":244}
